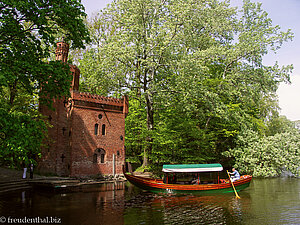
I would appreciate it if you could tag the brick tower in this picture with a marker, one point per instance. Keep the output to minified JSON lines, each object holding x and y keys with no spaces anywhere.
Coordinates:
{"x":62,"y":51}
{"x":88,"y":131}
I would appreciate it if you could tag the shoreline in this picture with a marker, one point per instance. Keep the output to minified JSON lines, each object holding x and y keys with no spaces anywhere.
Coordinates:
{"x":11,"y":180}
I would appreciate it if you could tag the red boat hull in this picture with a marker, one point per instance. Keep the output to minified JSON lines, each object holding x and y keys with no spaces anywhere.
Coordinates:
{"x":157,"y":185}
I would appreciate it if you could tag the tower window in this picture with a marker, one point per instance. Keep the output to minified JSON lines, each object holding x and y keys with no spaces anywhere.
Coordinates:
{"x":96,"y":129}
{"x":95,"y":156}
{"x":63,"y":130}
{"x":62,"y":157}
{"x":103,"y":129}
{"x":99,"y":152}
{"x":102,"y":158}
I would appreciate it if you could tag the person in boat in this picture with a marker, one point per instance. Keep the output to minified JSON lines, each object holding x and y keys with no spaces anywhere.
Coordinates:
{"x":195,"y":180}
{"x":234,"y":175}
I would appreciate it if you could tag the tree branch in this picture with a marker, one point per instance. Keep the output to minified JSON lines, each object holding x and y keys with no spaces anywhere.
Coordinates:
{"x":233,"y":61}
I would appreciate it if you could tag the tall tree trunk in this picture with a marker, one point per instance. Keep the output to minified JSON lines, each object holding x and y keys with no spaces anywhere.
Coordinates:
{"x":150,"y":127}
{"x":150,"y":114}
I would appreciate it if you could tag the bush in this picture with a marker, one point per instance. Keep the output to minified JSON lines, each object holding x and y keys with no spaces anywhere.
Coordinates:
{"x":267,"y":156}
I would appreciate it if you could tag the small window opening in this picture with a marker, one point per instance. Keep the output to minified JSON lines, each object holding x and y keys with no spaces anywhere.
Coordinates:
{"x":118,"y":153}
{"x":63,"y":130}
{"x":95,"y":158}
{"x":102,"y":158}
{"x":103,"y":129}
{"x":99,"y":152}
{"x":62,"y":157}
{"x":96,"y":129}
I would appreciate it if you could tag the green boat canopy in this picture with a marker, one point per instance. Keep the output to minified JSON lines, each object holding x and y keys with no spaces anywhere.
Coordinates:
{"x":192,"y":168}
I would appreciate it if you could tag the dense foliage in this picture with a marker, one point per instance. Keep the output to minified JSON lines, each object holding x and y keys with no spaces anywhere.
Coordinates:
{"x":194,"y":73}
{"x":267,"y":156}
{"x":27,"y":32}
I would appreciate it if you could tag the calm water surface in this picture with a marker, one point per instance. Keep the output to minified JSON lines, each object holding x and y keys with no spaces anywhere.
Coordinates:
{"x":266,"y":201}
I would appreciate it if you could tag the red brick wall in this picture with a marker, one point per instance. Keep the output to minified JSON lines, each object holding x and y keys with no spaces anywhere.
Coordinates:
{"x":72,"y":141}
{"x":84,"y":142}
{"x":56,"y":152}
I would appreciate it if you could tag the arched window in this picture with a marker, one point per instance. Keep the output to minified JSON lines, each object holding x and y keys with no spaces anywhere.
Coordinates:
{"x":103,"y":129}
{"x":99,"y":152}
{"x":102,"y":158}
{"x":96,"y":128}
{"x":95,"y":158}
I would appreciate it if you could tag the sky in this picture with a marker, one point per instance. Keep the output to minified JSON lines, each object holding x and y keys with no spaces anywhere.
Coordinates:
{"x":286,"y":15}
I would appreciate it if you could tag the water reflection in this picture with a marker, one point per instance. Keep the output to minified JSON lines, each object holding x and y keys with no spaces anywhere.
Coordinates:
{"x":266,"y":201}
{"x":102,"y":204}
{"x":185,"y":209}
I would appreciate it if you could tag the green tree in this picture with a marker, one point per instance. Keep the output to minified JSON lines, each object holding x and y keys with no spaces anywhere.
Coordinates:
{"x":269,"y":153}
{"x":202,"y":55}
{"x":141,"y":45}
{"x":279,"y":124}
{"x":136,"y":131}
{"x":27,"y":32}
{"x":267,"y":156}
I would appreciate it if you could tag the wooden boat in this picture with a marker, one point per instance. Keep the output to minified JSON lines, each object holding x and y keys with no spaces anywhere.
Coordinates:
{"x":165,"y":185}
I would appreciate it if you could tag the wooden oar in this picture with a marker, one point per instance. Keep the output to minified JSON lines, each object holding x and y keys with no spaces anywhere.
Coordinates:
{"x":236,"y":194}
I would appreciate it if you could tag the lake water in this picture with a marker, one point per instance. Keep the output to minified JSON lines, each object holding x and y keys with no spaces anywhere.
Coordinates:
{"x":266,"y":201}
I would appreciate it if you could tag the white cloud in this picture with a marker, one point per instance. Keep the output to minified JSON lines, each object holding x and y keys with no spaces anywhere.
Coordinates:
{"x":288,"y":98}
